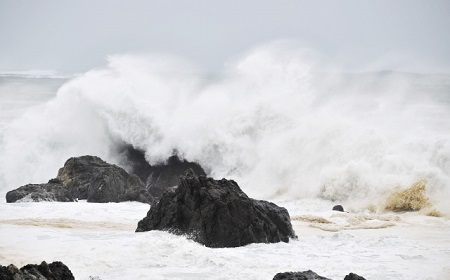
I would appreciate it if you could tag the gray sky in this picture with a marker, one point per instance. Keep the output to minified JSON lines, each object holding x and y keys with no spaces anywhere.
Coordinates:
{"x":75,"y":36}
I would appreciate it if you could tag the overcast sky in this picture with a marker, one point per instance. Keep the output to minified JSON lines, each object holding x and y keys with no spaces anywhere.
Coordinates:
{"x":75,"y":36}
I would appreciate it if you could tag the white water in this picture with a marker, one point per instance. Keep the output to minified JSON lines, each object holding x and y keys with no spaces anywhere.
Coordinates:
{"x":273,"y":121}
{"x":276,"y":122}
{"x":99,"y":240}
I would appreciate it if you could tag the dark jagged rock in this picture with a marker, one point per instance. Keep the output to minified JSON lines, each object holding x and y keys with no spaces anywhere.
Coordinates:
{"x":158,"y":178}
{"x":305,"y":275}
{"x":61,"y":271}
{"x":86,"y":177}
{"x":135,"y":160}
{"x":166,"y":175}
{"x":338,"y":208}
{"x":310,"y":275}
{"x":51,"y":191}
{"x":8,"y":272}
{"x":44,"y":271}
{"x":91,"y":178}
{"x":353,"y":276}
{"x":217,"y":214}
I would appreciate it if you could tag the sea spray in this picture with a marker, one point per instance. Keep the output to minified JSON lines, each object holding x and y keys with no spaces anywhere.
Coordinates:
{"x":410,"y":199}
{"x":274,"y":121}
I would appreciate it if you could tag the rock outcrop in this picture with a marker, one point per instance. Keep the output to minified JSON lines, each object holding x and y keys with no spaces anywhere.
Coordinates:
{"x":44,"y":271}
{"x":86,"y":177}
{"x":158,"y":178}
{"x":304,"y":275}
{"x":91,"y":178}
{"x":54,"y":190}
{"x":167,"y":175}
{"x":217,"y":214}
{"x":353,"y":276}
{"x":310,"y":275}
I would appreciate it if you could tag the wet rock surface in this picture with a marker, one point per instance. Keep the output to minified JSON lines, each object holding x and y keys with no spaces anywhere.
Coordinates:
{"x":54,"y":190}
{"x":353,"y":276}
{"x":91,"y":178}
{"x":217,"y":214}
{"x":86,"y":177}
{"x":160,"y":177}
{"x":338,"y":208}
{"x":167,"y":175}
{"x":44,"y":271}
{"x":304,"y":275}
{"x":310,"y":275}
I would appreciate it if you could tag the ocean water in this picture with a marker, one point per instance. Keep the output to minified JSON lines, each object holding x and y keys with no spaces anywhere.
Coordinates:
{"x":278,"y":122}
{"x":19,"y":92}
{"x":98,"y":240}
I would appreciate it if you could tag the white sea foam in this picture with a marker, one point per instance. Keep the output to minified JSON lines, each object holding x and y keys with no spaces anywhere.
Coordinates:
{"x":99,"y":240}
{"x":274,"y":121}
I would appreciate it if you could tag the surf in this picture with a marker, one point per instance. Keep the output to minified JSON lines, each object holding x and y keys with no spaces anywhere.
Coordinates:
{"x":276,"y":120}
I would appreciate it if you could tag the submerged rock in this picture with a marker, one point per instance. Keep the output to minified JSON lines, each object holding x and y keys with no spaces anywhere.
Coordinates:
{"x":310,"y":275}
{"x":353,"y":276}
{"x":338,"y":208}
{"x":91,"y":178}
{"x":158,"y":178}
{"x":44,"y":271}
{"x":217,"y":214}
{"x":304,"y":275}
{"x":54,"y":190}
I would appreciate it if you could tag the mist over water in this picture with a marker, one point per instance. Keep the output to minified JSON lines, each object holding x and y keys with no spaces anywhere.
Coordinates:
{"x":275,"y":121}
{"x":18,"y":92}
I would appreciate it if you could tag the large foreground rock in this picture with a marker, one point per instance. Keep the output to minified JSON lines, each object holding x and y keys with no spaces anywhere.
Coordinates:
{"x":44,"y":271}
{"x":54,"y":190}
{"x":217,"y":214}
{"x":158,"y":178}
{"x":86,"y":177}
{"x":91,"y":178}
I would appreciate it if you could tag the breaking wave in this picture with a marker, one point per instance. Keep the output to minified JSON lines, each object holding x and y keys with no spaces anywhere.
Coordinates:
{"x":410,"y":199}
{"x":275,"y":121}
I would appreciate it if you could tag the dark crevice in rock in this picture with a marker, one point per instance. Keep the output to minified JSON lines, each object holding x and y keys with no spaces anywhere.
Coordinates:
{"x":159,"y":177}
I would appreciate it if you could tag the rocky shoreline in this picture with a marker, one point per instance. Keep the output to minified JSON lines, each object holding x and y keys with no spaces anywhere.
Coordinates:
{"x":215,"y":213}
{"x":53,"y":271}
{"x":91,"y":178}
{"x":59,"y":271}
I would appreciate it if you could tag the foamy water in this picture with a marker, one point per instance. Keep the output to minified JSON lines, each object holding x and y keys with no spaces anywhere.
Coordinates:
{"x":274,"y":121}
{"x":99,"y":240}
